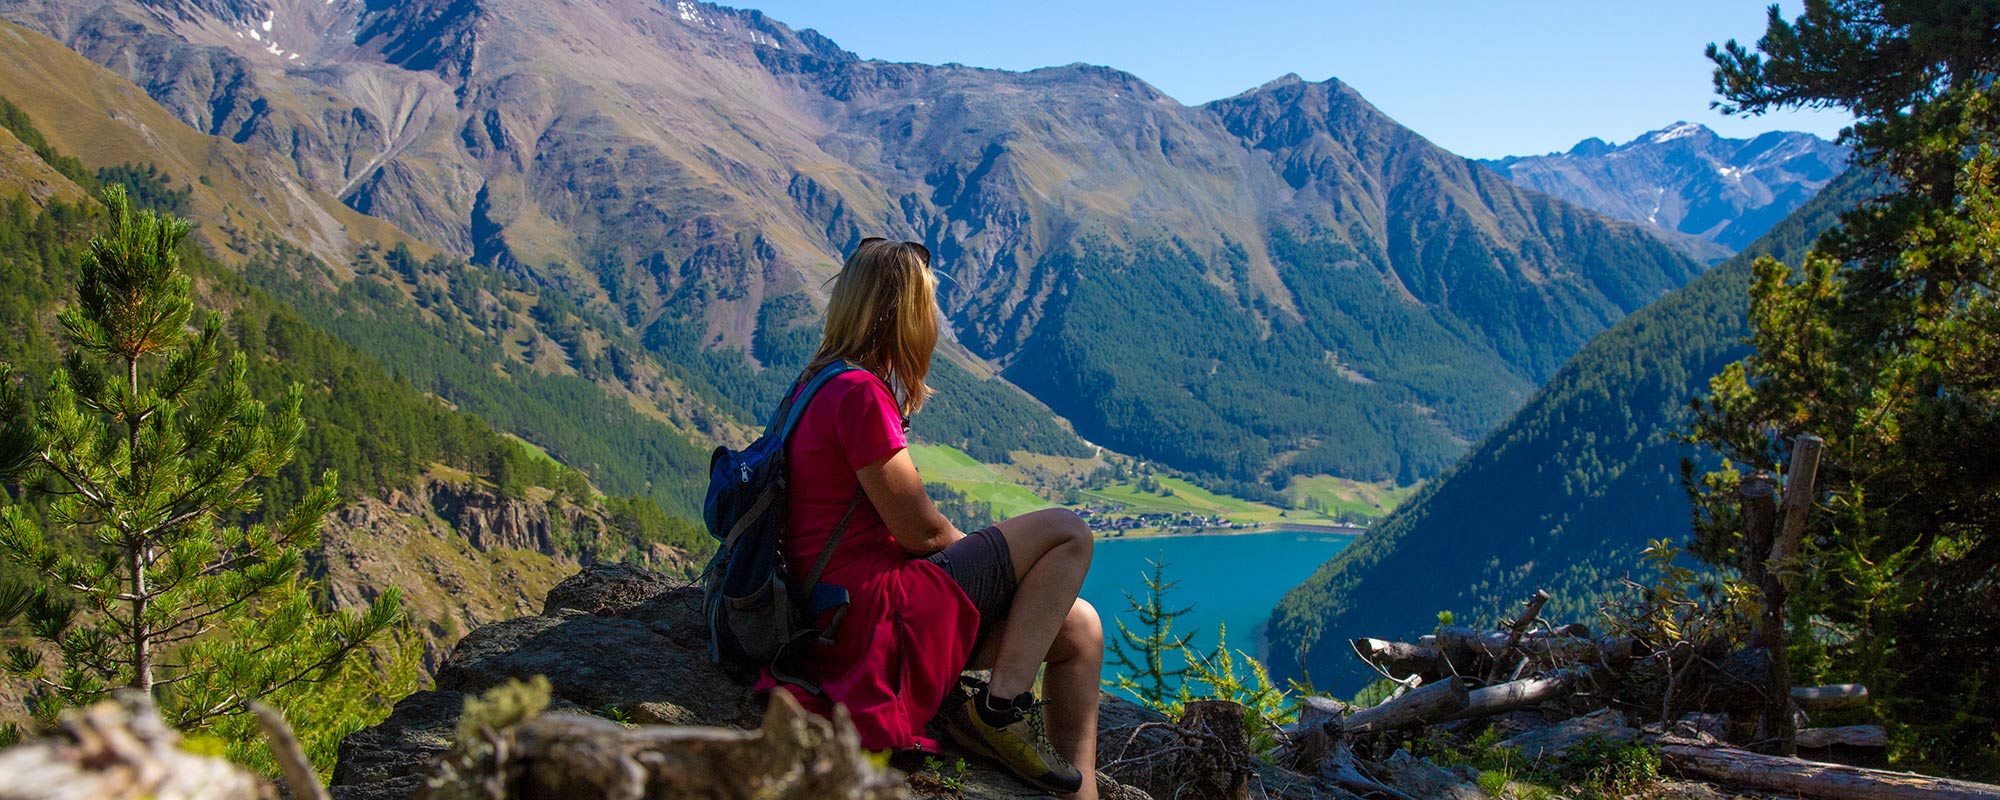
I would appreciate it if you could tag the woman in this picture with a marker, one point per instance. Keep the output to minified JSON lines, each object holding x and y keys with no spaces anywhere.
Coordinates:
{"x":927,"y":601}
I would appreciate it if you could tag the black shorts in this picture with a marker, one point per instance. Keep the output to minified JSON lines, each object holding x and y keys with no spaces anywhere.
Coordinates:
{"x":983,"y":566}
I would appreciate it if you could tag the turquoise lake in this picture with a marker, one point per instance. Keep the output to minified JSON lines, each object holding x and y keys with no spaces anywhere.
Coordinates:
{"x":1234,"y":580}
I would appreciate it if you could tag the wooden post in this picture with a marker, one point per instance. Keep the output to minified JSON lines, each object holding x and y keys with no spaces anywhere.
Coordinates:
{"x":1757,"y":495}
{"x":1776,"y":727}
{"x":1799,"y":481}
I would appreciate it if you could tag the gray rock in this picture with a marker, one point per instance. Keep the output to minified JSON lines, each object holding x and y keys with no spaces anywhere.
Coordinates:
{"x":1419,"y":778}
{"x":1558,"y":739}
{"x":609,"y":588}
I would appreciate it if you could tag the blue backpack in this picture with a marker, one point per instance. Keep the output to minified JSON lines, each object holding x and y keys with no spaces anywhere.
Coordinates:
{"x":756,"y":617}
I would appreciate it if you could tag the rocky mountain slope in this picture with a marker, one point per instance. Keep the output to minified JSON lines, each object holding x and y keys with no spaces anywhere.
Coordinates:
{"x":464,"y":556}
{"x":1563,"y":496}
{"x":687,"y":174}
{"x":1711,"y":195}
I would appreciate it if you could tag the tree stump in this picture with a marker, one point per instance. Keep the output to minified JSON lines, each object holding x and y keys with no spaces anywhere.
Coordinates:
{"x":1207,"y":756}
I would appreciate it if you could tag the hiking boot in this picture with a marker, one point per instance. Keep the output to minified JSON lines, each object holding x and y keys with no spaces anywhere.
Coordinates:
{"x":1011,"y":735}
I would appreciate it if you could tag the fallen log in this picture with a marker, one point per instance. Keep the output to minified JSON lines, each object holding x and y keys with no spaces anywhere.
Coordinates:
{"x":1871,"y":736}
{"x":1428,"y":703}
{"x":1822,"y":698}
{"x":1464,"y":645}
{"x":1401,"y":659}
{"x":1811,"y":778}
{"x":1512,"y":695}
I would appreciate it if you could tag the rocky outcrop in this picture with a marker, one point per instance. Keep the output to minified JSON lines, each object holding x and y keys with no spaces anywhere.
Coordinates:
{"x":489,"y":520}
{"x":629,"y":644}
{"x":462,"y":556}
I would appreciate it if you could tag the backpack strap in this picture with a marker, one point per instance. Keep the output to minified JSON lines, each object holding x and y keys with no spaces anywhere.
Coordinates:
{"x":794,"y":407}
{"x":826,"y":554}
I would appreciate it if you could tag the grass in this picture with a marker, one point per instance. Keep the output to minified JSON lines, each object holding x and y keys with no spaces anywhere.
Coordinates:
{"x":1337,"y":496}
{"x":980,"y":482}
{"x":533,"y":449}
{"x":1179,"y":496}
{"x":1001,"y":487}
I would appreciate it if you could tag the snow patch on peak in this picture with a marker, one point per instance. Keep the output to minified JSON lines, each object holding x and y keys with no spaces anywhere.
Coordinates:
{"x":270,"y":19}
{"x":688,"y":11}
{"x":1678,"y":130}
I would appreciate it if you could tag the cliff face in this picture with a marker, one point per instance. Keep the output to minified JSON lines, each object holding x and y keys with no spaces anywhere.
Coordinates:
{"x":462,"y":556}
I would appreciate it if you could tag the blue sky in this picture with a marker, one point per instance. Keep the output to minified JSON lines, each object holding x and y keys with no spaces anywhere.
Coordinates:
{"x":1483,"y":79}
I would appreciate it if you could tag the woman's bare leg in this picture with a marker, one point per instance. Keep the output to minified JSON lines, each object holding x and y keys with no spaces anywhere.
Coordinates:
{"x":1047,"y":622}
{"x":1051,"y":551}
{"x":1071,"y":688}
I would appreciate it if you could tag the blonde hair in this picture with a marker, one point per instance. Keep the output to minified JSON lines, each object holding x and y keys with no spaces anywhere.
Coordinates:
{"x":883,"y":315}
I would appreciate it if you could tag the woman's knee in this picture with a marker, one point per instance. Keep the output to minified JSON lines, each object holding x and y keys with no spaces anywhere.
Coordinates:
{"x":1081,"y":634}
{"x":1084,"y":624}
{"x":1074,"y":531}
{"x":1036,"y":534}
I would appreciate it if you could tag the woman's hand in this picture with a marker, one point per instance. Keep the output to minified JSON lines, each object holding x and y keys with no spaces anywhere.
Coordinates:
{"x":897,"y":492}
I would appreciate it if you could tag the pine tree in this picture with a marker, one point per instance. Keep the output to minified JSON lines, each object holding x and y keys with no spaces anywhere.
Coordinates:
{"x":1885,"y":342}
{"x":138,"y":511}
{"x":1143,"y":661}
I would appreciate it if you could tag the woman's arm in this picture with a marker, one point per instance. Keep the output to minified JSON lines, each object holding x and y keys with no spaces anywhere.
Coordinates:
{"x":897,"y":491}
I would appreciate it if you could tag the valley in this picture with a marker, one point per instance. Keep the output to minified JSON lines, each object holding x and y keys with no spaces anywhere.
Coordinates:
{"x":684,"y":182}
{"x":1117,"y":503}
{"x":1302,"y":371}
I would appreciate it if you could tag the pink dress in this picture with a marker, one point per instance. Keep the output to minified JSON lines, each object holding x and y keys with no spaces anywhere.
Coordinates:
{"x":909,"y":628}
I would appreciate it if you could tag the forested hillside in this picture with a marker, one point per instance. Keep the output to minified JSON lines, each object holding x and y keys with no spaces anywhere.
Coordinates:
{"x":370,"y":424}
{"x":1563,"y":496}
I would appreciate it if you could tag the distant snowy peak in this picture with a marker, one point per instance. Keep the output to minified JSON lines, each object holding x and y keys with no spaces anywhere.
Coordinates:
{"x":1678,"y":130}
{"x":1710,"y":195}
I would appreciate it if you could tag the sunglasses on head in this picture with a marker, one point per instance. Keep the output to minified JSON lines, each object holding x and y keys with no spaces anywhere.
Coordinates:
{"x":921,"y":250}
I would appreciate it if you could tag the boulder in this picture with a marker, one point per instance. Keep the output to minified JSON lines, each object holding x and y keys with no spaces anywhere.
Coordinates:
{"x":624,"y":643}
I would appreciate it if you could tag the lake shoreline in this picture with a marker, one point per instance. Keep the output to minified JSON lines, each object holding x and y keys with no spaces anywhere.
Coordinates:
{"x":1298,"y":527}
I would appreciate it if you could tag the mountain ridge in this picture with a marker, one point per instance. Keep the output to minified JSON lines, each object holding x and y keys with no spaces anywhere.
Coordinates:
{"x":678,"y":169}
{"x":1709,"y":194}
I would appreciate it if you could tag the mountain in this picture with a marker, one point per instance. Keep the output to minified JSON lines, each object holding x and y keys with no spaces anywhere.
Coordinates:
{"x":1564,"y":495}
{"x":685,"y":176}
{"x":1710,"y":195}
{"x":470,"y":523}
